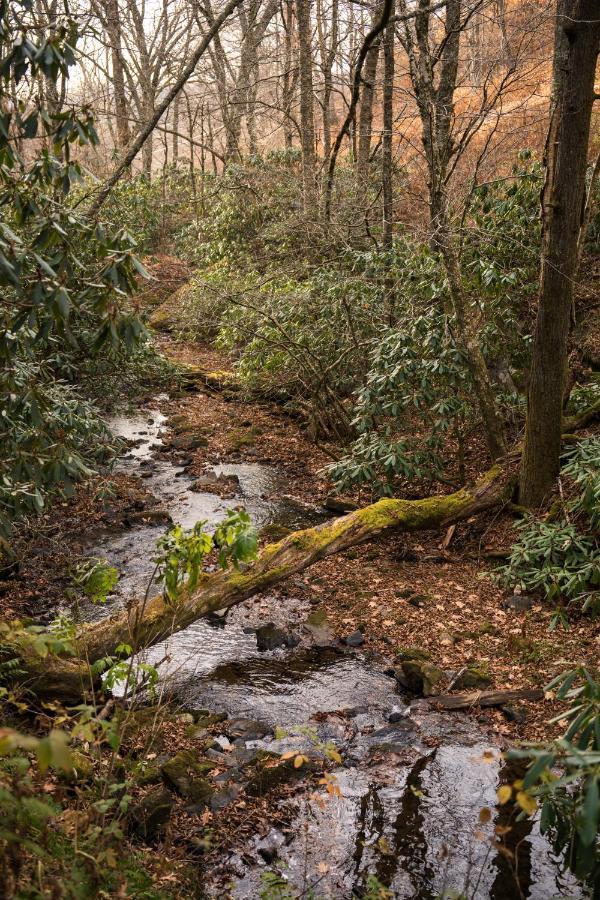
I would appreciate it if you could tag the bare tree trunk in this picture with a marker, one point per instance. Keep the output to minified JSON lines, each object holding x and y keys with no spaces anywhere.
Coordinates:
{"x":328,"y":44}
{"x":307,"y":121}
{"x":289,"y":71}
{"x":175,"y":143}
{"x":386,"y":154}
{"x":162,"y":107}
{"x":577,"y":42}
{"x":365,"y":117}
{"x":113,"y":28}
{"x":435,"y":100}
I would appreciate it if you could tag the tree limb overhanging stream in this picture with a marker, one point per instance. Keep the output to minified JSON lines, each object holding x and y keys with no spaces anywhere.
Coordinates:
{"x":146,"y":623}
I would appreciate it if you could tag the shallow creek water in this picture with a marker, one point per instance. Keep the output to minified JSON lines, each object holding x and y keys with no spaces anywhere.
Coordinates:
{"x":410,"y":792}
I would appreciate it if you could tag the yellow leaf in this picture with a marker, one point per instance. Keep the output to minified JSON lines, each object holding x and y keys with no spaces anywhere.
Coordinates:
{"x":504,"y":793}
{"x":299,"y":761}
{"x":335,"y":756}
{"x":526,"y":802}
{"x":289,"y":754}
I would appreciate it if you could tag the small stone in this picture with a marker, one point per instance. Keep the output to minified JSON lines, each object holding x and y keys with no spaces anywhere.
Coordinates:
{"x":473,"y":677}
{"x":413,"y":653}
{"x":225,"y":797}
{"x":514,"y":714}
{"x":518,"y":602}
{"x":419,"y":600}
{"x":339,"y":504}
{"x":397,"y":714}
{"x":269,"y":846}
{"x":248,"y":729}
{"x":185,"y":718}
{"x":356,"y":639}
{"x":185,"y":773}
{"x":422,"y":677}
{"x":269,"y":637}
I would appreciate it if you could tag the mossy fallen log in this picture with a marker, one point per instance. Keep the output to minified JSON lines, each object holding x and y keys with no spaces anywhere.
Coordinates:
{"x":148,"y":622}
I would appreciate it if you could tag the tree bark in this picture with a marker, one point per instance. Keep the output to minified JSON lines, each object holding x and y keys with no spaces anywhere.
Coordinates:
{"x":113,"y":30}
{"x":387,"y":139}
{"x":307,"y":120}
{"x":365,"y":119}
{"x":577,"y":42}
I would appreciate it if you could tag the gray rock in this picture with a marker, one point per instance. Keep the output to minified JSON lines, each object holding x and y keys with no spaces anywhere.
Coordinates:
{"x":421,"y":677}
{"x":514,"y":714}
{"x":225,"y":797}
{"x":356,"y":639}
{"x":518,"y":602}
{"x":185,"y":773}
{"x":269,"y":846}
{"x":248,"y":729}
{"x":148,"y":819}
{"x":397,"y":714}
{"x":269,"y":637}
{"x":472,"y":678}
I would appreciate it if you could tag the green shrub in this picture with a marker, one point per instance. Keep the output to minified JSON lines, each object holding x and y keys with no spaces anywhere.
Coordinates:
{"x":564,"y":777}
{"x":561,"y":559}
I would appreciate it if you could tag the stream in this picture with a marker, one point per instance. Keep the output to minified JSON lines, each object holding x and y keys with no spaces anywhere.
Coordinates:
{"x":413,"y":781}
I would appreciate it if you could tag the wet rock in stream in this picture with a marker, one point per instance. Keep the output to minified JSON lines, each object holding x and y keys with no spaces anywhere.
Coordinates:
{"x":269,"y":637}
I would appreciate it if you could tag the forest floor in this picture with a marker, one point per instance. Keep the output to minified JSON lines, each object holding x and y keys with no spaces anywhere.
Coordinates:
{"x":401,"y":592}
{"x":407,"y":591}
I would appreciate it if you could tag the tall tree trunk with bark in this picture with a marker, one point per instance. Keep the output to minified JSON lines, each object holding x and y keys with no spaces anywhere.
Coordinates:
{"x":113,"y":28}
{"x":365,"y":118}
{"x":577,"y":43}
{"x":387,"y":138}
{"x":307,"y":121}
{"x":387,"y":186}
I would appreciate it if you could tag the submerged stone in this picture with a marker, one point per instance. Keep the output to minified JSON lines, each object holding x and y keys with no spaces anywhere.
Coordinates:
{"x":269,"y":637}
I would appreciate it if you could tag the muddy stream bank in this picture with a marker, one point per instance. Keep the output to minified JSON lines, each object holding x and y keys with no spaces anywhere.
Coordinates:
{"x":413,"y":781}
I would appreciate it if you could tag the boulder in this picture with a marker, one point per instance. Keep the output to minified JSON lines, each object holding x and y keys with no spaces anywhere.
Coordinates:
{"x":247,"y":729}
{"x":148,"y":819}
{"x":185,"y":773}
{"x":420,"y":677}
{"x":473,"y":677}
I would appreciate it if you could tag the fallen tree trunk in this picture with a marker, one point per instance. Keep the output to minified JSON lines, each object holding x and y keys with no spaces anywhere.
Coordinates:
{"x":484,"y":698}
{"x":147,"y":623}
